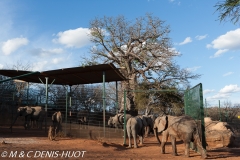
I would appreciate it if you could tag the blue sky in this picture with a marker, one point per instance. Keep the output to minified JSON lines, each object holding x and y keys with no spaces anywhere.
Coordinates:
{"x":53,"y":34}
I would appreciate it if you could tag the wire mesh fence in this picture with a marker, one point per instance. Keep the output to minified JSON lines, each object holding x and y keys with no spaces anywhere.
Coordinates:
{"x":81,"y":108}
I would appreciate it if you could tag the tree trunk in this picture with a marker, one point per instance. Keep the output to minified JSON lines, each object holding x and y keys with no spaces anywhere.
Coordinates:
{"x":129,"y":87}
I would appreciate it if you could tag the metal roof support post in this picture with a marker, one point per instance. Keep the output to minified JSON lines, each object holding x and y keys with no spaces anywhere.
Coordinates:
{"x":104,"y":104}
{"x":66,"y":110}
{"x":27,"y":92}
{"x":12,"y":109}
{"x":125,"y":122}
{"x":70,"y":106}
{"x":46,"y":103}
{"x":70,"y":97}
{"x":116,"y":97}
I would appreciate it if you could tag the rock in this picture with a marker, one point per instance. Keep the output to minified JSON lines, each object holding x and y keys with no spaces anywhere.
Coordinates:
{"x":218,"y":134}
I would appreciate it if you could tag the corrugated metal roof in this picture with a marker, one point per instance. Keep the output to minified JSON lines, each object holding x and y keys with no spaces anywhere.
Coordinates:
{"x":71,"y":76}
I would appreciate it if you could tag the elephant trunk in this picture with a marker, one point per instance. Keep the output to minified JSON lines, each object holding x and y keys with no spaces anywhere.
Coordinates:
{"x":156,"y":135}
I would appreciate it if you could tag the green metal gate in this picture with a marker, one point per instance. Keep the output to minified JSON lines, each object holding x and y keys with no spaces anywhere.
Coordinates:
{"x":193,"y":106}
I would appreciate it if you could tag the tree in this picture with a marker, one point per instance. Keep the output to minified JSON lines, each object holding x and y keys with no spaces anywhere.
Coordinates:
{"x":229,"y":112}
{"x":21,"y":86}
{"x":229,"y":9}
{"x":141,"y":48}
{"x":226,"y":113}
{"x":166,"y":100}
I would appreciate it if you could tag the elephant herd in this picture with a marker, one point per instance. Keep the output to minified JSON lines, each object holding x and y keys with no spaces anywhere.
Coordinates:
{"x":34,"y":116}
{"x":184,"y":128}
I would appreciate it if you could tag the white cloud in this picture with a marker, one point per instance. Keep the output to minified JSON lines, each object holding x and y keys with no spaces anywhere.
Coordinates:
{"x":227,"y":42}
{"x":219,"y":96}
{"x":219,"y":52}
{"x":230,"y":89}
{"x":74,"y":37}
{"x":201,"y":37}
{"x":55,"y":50}
{"x":46,"y":52}
{"x":225,"y":93}
{"x":57,"y":60}
{"x":227,"y":74}
{"x":187,"y":40}
{"x":193,"y":68}
{"x":206,"y":91}
{"x":230,"y":58}
{"x":1,"y":66}
{"x":39,"y":66}
{"x":13,"y":44}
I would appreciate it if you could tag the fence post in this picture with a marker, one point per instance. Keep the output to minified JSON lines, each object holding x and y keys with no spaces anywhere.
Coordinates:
{"x":206,"y":107}
{"x":220,"y":117}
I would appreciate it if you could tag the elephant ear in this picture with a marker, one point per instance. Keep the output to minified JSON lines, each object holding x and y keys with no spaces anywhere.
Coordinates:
{"x":162,"y":123}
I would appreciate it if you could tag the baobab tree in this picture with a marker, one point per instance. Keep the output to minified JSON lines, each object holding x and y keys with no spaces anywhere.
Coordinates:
{"x":140,"y":48}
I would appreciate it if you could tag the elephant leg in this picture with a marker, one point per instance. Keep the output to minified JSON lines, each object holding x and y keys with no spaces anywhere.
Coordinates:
{"x":146,"y":131}
{"x":50,"y":133}
{"x":55,"y":129}
{"x":27,"y":122}
{"x":129,"y":138}
{"x":164,"y":140}
{"x":129,"y":142}
{"x":174,"y":147}
{"x":141,"y":140}
{"x":202,"y":150}
{"x":134,"y":134}
{"x":135,"y":139}
{"x":187,"y":147}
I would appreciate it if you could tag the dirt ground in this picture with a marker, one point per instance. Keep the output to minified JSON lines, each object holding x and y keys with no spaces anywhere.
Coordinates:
{"x":20,"y":145}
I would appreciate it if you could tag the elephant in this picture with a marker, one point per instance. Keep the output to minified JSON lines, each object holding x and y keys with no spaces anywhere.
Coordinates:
{"x":149,"y":127}
{"x":57,"y":122}
{"x":118,"y":120}
{"x":182,"y":127}
{"x":111,"y":124}
{"x":135,"y":126}
{"x":32,"y":114}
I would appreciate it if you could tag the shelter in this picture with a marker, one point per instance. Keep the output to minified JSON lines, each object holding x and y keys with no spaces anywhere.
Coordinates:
{"x":69,"y":76}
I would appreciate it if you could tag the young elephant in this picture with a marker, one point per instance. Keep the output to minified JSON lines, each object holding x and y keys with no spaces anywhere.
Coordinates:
{"x":57,"y":123}
{"x":183,"y":127}
{"x":149,"y":127}
{"x":135,"y":126}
